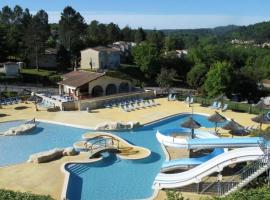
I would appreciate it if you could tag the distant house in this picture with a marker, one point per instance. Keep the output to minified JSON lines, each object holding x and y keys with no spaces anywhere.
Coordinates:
{"x":266,"y":83}
{"x":125,"y":49}
{"x":48,"y":60}
{"x":100,"y":58}
{"x":11,"y":69}
{"x":181,"y":53}
{"x":91,"y":84}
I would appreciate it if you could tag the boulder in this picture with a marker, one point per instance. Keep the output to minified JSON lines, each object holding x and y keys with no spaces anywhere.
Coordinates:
{"x":46,"y":156}
{"x":20,"y":130}
{"x":70,"y":151}
{"x":117,"y":125}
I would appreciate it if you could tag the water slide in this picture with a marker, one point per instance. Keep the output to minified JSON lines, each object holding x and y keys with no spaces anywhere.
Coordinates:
{"x":189,"y":162}
{"x":215,"y":164}
{"x":204,"y":140}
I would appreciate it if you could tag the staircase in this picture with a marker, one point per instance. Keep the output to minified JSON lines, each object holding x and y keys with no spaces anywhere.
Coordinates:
{"x":239,"y":180}
{"x":247,"y":174}
{"x":243,"y":177}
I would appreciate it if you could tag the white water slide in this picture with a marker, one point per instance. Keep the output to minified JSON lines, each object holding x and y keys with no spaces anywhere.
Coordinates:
{"x":215,"y":164}
{"x":204,"y":140}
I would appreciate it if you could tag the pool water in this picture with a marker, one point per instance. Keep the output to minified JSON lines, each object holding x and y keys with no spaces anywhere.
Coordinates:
{"x":110,"y":178}
{"x":17,"y":149}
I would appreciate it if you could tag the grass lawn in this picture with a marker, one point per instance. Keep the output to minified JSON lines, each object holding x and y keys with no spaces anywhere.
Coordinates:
{"x":40,"y":72}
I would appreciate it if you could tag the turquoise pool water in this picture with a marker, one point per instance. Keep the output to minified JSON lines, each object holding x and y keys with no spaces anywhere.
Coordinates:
{"x":110,"y":178}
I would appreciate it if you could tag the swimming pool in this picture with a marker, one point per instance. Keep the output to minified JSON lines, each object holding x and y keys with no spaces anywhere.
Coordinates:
{"x":111,"y":177}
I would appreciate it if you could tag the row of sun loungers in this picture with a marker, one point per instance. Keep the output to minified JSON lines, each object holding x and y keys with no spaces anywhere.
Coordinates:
{"x":121,"y":103}
{"x":189,"y":100}
{"x":218,"y":105}
{"x":139,"y":105}
{"x":10,"y":101}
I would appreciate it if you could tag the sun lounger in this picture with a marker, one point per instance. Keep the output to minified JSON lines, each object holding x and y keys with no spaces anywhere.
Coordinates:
{"x":187,"y":100}
{"x":218,"y":105}
{"x":214,"y":105}
{"x":225,"y":107}
{"x":169,"y":97}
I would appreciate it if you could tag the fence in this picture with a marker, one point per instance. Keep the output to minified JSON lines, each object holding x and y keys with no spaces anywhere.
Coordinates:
{"x":235,"y":106}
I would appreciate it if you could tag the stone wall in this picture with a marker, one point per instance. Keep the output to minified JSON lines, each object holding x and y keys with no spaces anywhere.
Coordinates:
{"x":101,"y":101}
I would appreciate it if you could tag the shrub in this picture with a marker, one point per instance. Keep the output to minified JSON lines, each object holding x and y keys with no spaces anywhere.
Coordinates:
{"x":12,"y":195}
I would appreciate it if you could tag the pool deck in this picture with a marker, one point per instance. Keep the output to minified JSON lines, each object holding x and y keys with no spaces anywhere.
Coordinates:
{"x":47,"y":178}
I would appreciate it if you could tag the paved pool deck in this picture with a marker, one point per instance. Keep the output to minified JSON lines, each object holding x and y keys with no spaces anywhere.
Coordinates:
{"x":47,"y":178}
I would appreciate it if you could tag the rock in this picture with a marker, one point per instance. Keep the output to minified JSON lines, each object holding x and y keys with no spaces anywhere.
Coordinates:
{"x":20,"y":130}
{"x":70,"y":151}
{"x":117,"y":125}
{"x":46,"y":156}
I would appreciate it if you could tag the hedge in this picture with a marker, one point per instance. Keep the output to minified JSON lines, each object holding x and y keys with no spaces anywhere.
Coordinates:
{"x":12,"y":195}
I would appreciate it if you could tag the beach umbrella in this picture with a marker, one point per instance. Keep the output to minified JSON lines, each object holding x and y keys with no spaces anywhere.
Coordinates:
{"x":261,"y":119}
{"x":261,"y":105}
{"x":241,"y":132}
{"x":192,"y":124}
{"x":216,"y":118}
{"x":232,"y":125}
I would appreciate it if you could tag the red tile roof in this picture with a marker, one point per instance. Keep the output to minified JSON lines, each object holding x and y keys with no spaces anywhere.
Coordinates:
{"x":79,"y":78}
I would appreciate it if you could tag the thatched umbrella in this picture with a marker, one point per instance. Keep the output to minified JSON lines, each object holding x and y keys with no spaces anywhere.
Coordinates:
{"x":241,"y":132}
{"x":261,"y":119}
{"x":232,"y":125}
{"x":216,"y":118}
{"x":261,"y":105}
{"x":192,"y":124}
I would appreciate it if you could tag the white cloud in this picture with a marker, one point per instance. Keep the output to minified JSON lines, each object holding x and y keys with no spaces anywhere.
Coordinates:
{"x":165,"y":21}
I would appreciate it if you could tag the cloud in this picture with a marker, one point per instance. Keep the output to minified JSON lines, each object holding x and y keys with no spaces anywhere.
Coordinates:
{"x":165,"y":21}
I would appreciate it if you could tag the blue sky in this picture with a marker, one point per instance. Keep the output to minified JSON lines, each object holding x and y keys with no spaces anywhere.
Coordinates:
{"x":158,"y":14}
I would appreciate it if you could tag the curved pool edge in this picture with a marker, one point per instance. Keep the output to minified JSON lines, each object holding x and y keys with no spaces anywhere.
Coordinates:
{"x":67,"y":173}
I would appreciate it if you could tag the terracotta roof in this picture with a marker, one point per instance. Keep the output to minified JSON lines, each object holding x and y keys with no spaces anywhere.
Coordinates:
{"x":266,"y":81}
{"x":79,"y":78}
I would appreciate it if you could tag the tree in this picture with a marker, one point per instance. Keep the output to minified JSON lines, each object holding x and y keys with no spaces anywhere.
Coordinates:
{"x":146,"y":57}
{"x":165,"y":78}
{"x":13,"y":23}
{"x":63,"y":59}
{"x":71,"y":28}
{"x":196,"y":76}
{"x":219,"y":79}
{"x":37,"y":34}
{"x":156,"y":39}
{"x":127,"y":34}
{"x":113,"y":32}
{"x":139,"y":35}
{"x":173,"y":43}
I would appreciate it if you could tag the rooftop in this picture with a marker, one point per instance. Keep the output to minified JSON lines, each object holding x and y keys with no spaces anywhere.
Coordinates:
{"x":79,"y":78}
{"x":103,"y":49}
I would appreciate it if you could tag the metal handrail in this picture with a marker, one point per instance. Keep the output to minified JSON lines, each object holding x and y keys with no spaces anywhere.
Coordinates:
{"x":244,"y":174}
{"x":91,"y":147}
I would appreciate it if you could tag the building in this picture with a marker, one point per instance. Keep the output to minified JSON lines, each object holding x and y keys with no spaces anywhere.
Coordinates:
{"x":181,"y":53}
{"x":48,"y":60}
{"x":11,"y":69}
{"x":82,"y":85}
{"x":125,"y":49}
{"x":100,"y":58}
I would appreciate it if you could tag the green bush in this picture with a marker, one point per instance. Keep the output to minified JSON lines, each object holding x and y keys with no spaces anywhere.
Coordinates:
{"x":55,"y":78}
{"x":11,"y":195}
{"x":174,"y":195}
{"x":261,"y":193}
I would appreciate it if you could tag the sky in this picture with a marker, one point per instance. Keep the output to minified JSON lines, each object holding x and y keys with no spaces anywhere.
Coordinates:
{"x":159,"y":14}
